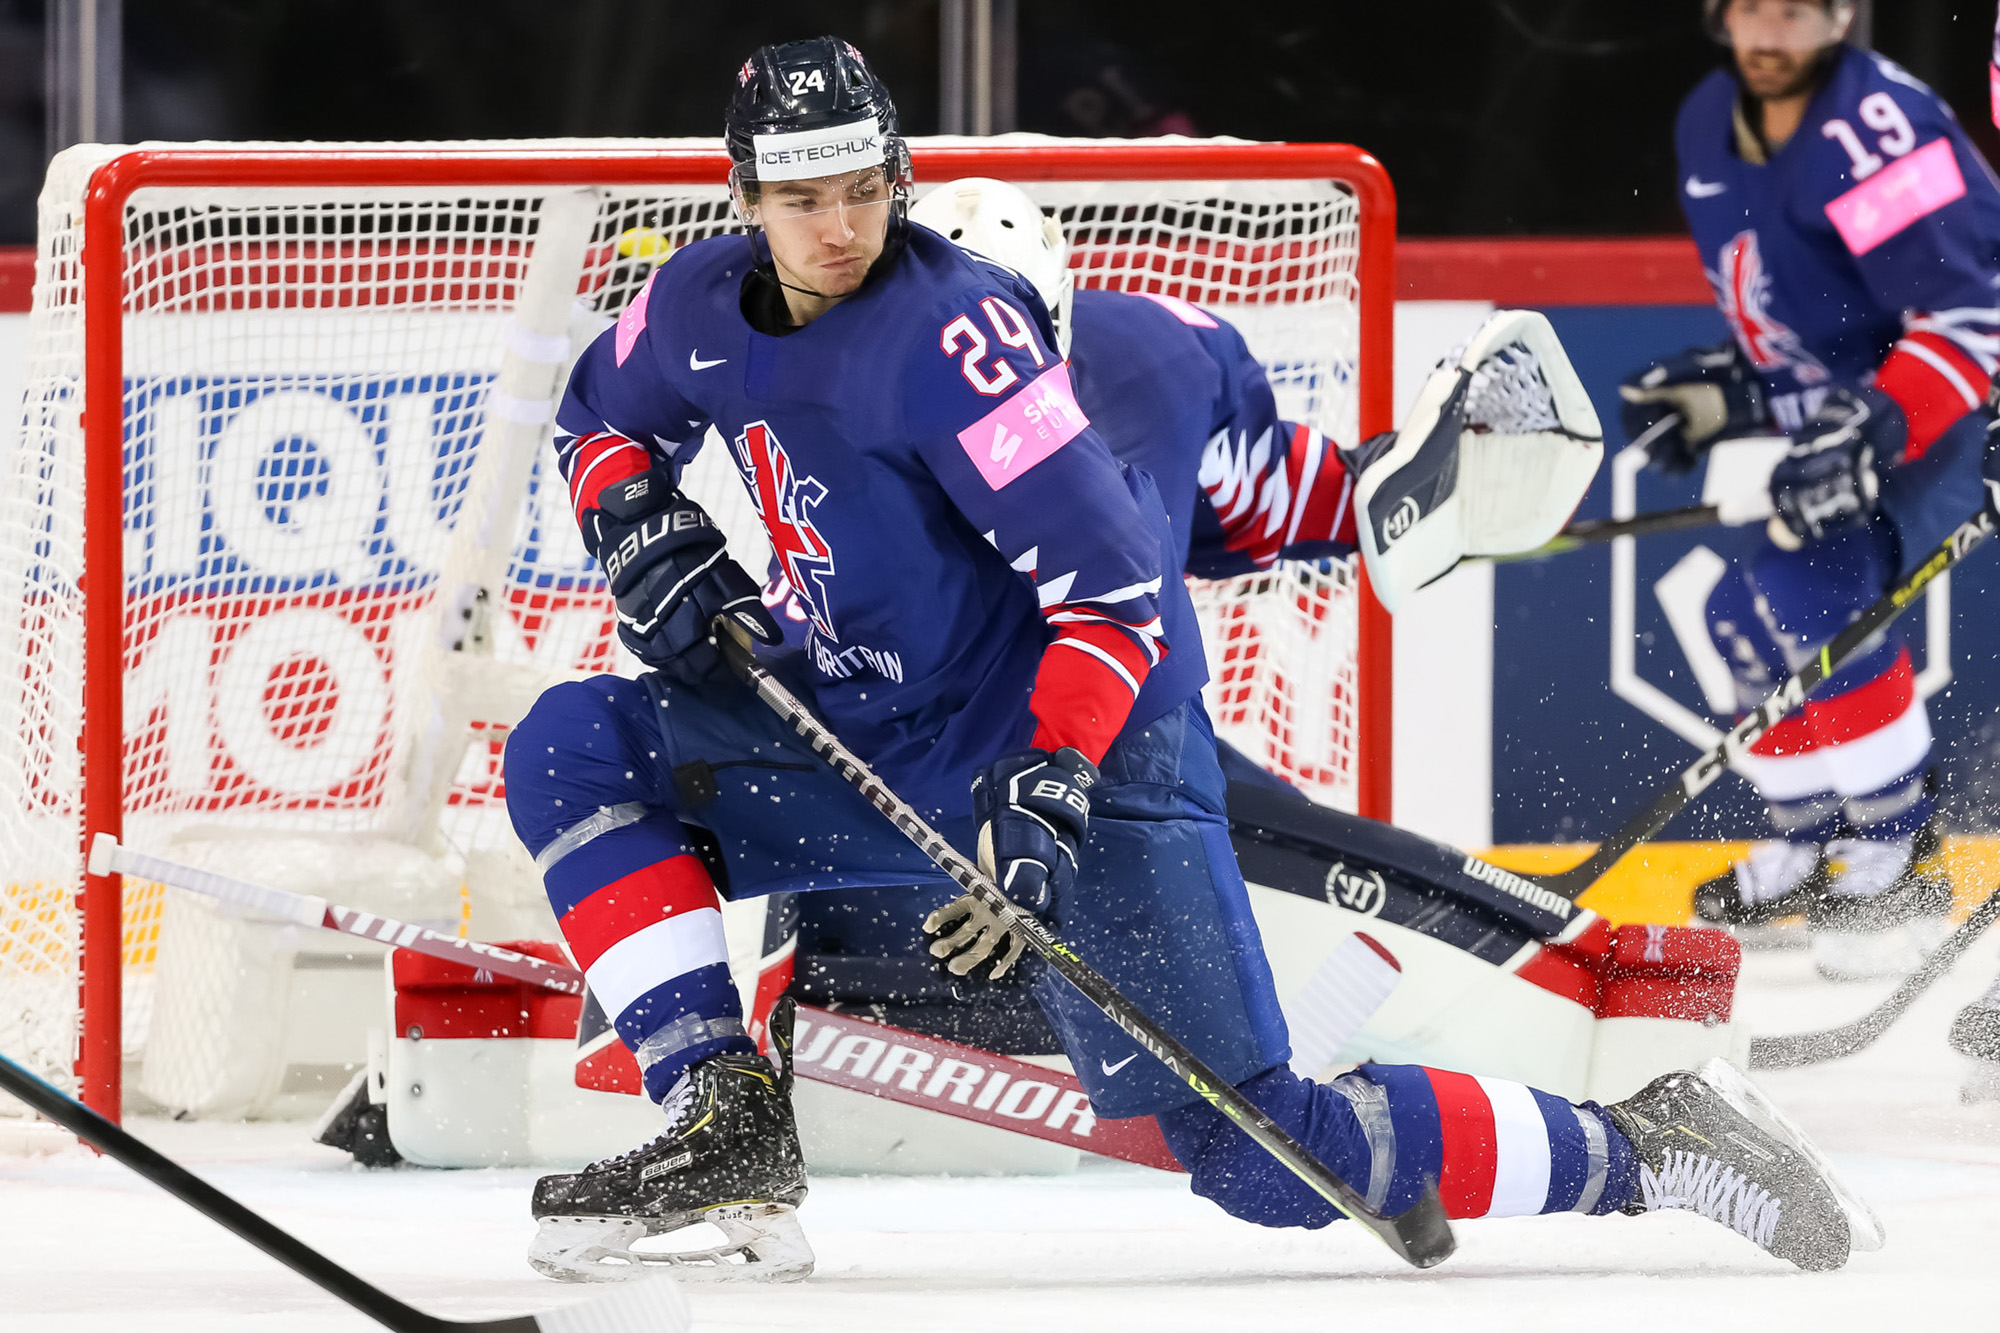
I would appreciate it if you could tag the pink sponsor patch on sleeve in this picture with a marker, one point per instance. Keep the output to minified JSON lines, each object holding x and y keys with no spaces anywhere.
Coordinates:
{"x":1039,"y":419}
{"x":1896,"y":196}
{"x":632,"y":322}
{"x":1185,"y":311}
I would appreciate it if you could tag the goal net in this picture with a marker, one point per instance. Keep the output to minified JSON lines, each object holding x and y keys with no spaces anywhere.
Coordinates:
{"x":283,"y":550}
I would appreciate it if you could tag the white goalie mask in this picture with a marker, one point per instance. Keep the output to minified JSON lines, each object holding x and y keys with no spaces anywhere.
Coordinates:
{"x":998,"y":221}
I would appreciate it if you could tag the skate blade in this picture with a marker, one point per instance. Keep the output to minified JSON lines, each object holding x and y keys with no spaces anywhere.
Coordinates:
{"x":1864,"y":1228}
{"x":1982,"y":1083}
{"x":762,"y":1242}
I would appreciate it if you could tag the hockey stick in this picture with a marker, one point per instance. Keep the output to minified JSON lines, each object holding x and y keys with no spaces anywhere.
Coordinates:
{"x":1594,"y":531}
{"x":1811,"y":1048}
{"x":1421,"y":1235}
{"x":1699,"y":776}
{"x":1108,"y":1139}
{"x":639,"y":1307}
{"x":108,"y":856}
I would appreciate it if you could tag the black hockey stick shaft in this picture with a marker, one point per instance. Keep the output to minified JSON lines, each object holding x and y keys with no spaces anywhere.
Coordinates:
{"x":1595,"y":531}
{"x":658,"y":1316}
{"x":1422,"y":1236}
{"x":1699,"y":776}
{"x":1811,"y":1048}
{"x":212,"y":1203}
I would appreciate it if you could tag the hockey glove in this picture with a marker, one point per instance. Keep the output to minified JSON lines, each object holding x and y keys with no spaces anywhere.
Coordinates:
{"x":671,"y":575}
{"x":1032,"y":808}
{"x":1713,"y":391}
{"x":1830,"y":475}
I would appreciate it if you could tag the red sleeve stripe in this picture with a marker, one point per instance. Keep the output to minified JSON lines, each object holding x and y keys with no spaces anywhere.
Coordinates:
{"x":1321,"y":491}
{"x":1951,"y":361}
{"x":1130,"y":660}
{"x":1079,"y":701}
{"x":1934,"y":381}
{"x":603,"y":462}
{"x":1148,"y":637}
{"x":1302,"y":467}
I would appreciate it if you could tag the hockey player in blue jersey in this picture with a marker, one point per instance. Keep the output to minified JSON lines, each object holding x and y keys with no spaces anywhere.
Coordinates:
{"x":1173,"y":390}
{"x":1852,"y":235}
{"x":992,"y":631}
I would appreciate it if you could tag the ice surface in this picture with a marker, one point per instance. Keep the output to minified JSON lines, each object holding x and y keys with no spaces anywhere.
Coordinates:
{"x":85,"y":1247}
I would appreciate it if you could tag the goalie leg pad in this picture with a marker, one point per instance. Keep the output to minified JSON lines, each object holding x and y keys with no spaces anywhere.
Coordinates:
{"x":1495,"y":1148}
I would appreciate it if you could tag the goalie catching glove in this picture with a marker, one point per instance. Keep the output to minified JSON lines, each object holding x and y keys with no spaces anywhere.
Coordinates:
{"x":1032,"y":809}
{"x":671,"y":576}
{"x":1492,"y":460}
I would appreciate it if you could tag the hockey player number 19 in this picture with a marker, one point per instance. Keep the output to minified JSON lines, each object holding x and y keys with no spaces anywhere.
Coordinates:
{"x":1010,"y":326}
{"x":1878,"y":112}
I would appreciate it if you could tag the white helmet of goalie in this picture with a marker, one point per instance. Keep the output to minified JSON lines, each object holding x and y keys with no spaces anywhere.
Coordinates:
{"x":998,"y":221}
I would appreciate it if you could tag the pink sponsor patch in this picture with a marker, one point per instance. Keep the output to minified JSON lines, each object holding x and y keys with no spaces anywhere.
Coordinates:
{"x":1038,"y":420}
{"x":1185,"y":311}
{"x":1896,"y":196}
{"x":632,"y":322}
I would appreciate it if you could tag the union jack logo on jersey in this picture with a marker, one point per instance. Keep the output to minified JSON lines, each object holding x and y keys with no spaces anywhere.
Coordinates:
{"x":1744,"y":291}
{"x":782,"y":499}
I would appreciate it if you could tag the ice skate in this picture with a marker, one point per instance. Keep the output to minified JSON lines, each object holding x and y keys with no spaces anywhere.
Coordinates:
{"x":1709,"y":1142}
{"x":1753,"y":898}
{"x":730,"y":1157}
{"x":1975,"y":1034}
{"x":1886,"y":907}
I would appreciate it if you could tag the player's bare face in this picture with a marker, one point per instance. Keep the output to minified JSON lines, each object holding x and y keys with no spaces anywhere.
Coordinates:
{"x":1777,"y":41}
{"x":824,"y":234}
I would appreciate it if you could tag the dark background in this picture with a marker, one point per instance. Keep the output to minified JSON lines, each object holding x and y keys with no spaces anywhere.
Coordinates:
{"x":1493,"y":116}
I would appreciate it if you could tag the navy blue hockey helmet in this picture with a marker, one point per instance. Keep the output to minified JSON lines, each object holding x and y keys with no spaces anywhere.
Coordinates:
{"x":808,"y":109}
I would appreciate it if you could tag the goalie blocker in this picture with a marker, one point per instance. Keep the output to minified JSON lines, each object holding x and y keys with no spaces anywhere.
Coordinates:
{"x":1493,"y":459}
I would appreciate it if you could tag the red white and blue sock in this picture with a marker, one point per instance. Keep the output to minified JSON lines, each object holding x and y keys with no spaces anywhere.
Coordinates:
{"x":1495,"y":1148}
{"x":642,"y":918}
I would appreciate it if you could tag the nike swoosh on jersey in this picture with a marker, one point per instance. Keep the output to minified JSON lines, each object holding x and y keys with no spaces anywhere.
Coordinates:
{"x":1110,"y":1069}
{"x":696,"y":363}
{"x":1698,"y":188}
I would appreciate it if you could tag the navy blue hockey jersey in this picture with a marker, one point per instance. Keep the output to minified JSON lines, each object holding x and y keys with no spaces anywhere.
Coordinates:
{"x":1866,"y":250}
{"x":979,"y":572}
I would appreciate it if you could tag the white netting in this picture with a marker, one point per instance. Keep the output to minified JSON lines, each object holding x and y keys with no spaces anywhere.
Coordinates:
{"x":1509,"y":394}
{"x":313,"y":379}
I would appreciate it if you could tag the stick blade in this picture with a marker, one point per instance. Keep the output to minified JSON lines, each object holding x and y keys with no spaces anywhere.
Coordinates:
{"x":1421,"y":1234}
{"x":649,"y":1305}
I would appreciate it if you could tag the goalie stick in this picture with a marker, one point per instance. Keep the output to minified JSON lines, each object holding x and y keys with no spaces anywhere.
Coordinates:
{"x":653,"y":1306}
{"x":1126,"y":1140}
{"x":1811,"y":1048}
{"x":1421,"y":1235}
{"x":109,"y":856}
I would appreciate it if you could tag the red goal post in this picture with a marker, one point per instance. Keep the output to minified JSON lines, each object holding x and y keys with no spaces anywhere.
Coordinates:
{"x":106,"y":287}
